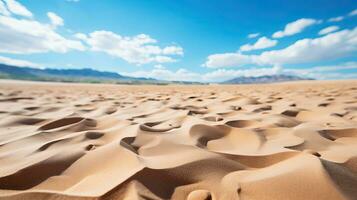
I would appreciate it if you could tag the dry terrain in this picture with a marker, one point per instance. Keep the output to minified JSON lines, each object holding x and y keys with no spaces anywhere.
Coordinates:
{"x":254,"y":142}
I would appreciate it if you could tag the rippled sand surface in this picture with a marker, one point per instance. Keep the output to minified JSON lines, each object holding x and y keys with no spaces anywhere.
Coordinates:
{"x":252,"y":142}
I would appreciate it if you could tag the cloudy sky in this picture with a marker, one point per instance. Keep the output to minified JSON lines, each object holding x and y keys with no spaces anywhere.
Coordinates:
{"x":184,"y":39}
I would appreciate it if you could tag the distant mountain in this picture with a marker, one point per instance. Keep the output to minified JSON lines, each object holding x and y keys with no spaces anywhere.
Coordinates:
{"x":73,"y":75}
{"x":88,"y":75}
{"x":264,"y":79}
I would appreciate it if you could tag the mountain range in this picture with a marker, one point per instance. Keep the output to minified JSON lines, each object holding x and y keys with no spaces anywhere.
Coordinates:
{"x":264,"y":79}
{"x":71,"y":75}
{"x":94,"y":76}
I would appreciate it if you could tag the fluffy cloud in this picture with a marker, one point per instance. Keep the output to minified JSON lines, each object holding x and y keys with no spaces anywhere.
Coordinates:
{"x":340,"y":18}
{"x":159,"y":66}
{"x":295,"y":27}
{"x":219,"y":75}
{"x":321,"y":69}
{"x":253,"y":35}
{"x":17,"y":8}
{"x":173,"y":50}
{"x":228,"y":60}
{"x":353,"y":13}
{"x":164,"y":74}
{"x":16,"y":62}
{"x":139,"y":49}
{"x":336,"y":19}
{"x":331,"y":46}
{"x":20,"y":33}
{"x":326,"y":72}
{"x":23,"y":35}
{"x":329,"y":29}
{"x":55,"y":19}
{"x":224,"y":74}
{"x":262,"y":43}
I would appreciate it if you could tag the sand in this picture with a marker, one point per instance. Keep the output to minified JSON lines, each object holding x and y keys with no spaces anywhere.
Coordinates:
{"x":254,"y":142}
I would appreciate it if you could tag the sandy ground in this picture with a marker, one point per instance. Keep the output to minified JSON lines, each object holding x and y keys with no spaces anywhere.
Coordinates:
{"x":252,"y":142}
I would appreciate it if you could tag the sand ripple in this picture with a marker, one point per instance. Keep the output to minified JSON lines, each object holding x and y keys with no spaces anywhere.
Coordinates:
{"x":279,"y":141}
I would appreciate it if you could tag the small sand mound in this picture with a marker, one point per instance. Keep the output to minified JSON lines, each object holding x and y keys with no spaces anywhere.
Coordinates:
{"x":92,"y":135}
{"x":334,"y":134}
{"x":203,"y":133}
{"x":200,"y":195}
{"x":61,"y":122}
{"x":290,"y":113}
{"x":242,"y":123}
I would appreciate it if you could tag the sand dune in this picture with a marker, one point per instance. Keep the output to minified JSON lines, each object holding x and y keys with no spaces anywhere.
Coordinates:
{"x":254,"y":142}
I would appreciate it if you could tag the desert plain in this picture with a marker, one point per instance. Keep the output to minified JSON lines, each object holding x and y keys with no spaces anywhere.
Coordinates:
{"x":63,"y":141}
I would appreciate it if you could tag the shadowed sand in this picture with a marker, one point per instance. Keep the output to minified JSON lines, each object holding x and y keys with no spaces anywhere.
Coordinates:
{"x":84,"y":141}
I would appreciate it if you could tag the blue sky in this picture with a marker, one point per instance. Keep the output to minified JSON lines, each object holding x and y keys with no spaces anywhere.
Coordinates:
{"x":183,"y":40}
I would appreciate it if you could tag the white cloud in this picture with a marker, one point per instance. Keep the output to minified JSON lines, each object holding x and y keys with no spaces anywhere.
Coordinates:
{"x":332,"y":46}
{"x":24,"y":36}
{"x":159,"y":66}
{"x":173,"y":50}
{"x":73,"y":1}
{"x":326,"y":72}
{"x":340,"y":18}
{"x":336,"y":19}
{"x":228,"y":60}
{"x":295,"y":27}
{"x":342,"y":66}
{"x":17,"y":8}
{"x":165,"y":74}
{"x":262,"y":43}
{"x":3,"y":9}
{"x":16,"y":62}
{"x":253,"y":35}
{"x":81,"y":36}
{"x":329,"y":29}
{"x":158,"y":59}
{"x":353,"y":13}
{"x":55,"y":19}
{"x":219,"y":75}
{"x":139,"y":49}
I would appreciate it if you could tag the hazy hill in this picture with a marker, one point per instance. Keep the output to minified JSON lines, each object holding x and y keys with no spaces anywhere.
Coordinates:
{"x":93,"y":76}
{"x":264,"y":79}
{"x":70,"y":75}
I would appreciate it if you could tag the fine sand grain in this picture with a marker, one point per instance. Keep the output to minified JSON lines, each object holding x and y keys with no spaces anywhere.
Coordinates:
{"x":254,"y":142}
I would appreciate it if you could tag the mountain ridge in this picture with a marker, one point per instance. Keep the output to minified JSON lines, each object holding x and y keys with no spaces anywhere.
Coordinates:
{"x":89,"y":75}
{"x":264,"y":79}
{"x":71,"y":75}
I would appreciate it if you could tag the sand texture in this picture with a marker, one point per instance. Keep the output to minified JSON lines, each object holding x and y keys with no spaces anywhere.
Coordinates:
{"x":252,"y":142}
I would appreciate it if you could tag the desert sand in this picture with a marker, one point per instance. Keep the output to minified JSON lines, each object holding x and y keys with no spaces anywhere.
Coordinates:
{"x":281,"y":141}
